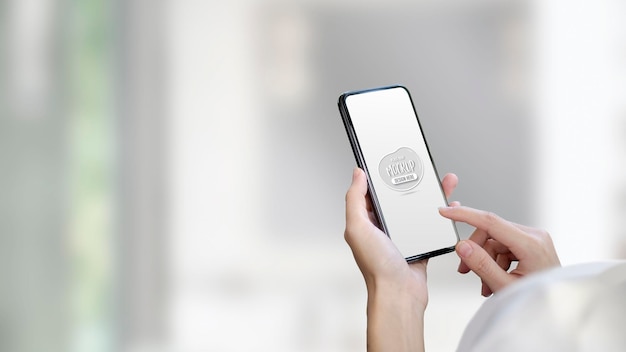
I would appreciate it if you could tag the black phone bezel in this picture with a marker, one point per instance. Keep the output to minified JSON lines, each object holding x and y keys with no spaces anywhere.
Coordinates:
{"x":360,"y":160}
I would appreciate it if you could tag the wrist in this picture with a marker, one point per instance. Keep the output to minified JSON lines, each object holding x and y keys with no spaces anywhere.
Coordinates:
{"x":398,"y":298}
{"x":405,"y":289}
{"x":395,"y":319}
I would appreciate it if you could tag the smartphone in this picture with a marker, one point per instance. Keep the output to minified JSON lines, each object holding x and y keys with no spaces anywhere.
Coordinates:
{"x":403,"y":184}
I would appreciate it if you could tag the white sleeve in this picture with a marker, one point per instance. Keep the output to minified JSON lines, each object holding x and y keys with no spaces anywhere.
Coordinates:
{"x":576,"y":308}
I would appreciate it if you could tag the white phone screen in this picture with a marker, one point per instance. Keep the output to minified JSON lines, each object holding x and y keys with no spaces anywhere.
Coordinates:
{"x":400,"y":170}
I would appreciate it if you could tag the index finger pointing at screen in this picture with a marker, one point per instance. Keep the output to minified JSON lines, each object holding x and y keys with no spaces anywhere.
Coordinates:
{"x":494,"y":226}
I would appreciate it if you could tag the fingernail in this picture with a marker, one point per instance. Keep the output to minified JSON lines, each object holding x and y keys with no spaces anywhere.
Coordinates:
{"x":446,"y":209}
{"x":354,"y":173}
{"x":464,"y":249}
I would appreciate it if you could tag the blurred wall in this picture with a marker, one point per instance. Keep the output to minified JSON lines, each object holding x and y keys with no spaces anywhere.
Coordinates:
{"x":261,"y":161}
{"x":259,"y":150}
{"x":141,"y":258}
{"x":34,"y":314}
{"x":579,"y":105}
{"x":465,"y":66}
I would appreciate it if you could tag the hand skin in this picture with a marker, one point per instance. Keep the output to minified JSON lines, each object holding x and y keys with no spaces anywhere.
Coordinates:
{"x":397,"y":291}
{"x":496,"y":243}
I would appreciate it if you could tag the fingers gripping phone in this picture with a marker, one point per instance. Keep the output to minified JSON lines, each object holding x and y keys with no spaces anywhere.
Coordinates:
{"x":405,"y":190}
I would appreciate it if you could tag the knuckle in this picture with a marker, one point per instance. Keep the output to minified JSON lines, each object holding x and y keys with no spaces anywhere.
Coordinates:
{"x":491,"y":218}
{"x":352,"y":231}
{"x":536,"y":242}
{"x":350,"y":228}
{"x":346,"y":235}
{"x":349,"y":234}
{"x":545,"y":235}
{"x":541,"y":237}
{"x":483,"y":264}
{"x":348,"y":196}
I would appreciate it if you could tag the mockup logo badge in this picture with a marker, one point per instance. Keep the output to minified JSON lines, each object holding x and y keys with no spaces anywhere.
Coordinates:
{"x":401,"y":170}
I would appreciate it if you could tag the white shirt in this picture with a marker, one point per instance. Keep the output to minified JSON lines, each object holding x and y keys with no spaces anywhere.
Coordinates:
{"x":575,"y":308}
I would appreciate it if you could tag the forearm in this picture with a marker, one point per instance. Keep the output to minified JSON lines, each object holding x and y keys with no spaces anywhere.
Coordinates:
{"x":395,"y":321}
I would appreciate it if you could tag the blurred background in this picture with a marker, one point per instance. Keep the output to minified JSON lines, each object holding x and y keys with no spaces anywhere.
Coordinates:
{"x":172,"y":173}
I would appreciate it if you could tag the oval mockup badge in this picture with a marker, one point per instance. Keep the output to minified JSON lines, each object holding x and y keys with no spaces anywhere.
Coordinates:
{"x":401,"y":170}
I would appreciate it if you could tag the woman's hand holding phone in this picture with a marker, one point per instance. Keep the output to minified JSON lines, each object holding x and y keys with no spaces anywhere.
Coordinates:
{"x":489,"y":251}
{"x":376,"y":255}
{"x":404,"y":190}
{"x":397,"y":291}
